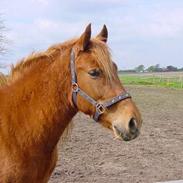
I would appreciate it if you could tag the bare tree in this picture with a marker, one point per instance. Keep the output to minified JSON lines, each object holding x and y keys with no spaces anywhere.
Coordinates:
{"x":3,"y":43}
{"x":2,"y":36}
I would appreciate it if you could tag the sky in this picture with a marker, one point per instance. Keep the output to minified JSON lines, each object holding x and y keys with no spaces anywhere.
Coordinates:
{"x":145,"y":32}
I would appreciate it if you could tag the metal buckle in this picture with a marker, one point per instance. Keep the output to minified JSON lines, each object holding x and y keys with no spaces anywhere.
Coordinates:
{"x":75,"y":87}
{"x":100,"y":108}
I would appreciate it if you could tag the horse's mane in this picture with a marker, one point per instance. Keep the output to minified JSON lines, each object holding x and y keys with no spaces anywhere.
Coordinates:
{"x":3,"y":79}
{"x":99,"y":50}
{"x":26,"y":63}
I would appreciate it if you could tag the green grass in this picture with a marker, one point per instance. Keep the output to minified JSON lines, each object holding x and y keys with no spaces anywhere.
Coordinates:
{"x":152,"y":81}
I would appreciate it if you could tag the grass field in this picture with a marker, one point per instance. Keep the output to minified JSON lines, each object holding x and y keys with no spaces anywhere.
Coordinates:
{"x":168,"y":80}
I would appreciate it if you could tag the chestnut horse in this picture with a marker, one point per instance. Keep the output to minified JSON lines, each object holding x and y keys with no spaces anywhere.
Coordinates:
{"x":36,"y":104}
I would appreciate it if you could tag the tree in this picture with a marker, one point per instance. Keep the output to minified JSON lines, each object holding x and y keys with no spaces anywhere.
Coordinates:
{"x":140,"y":68}
{"x":154,"y":68}
{"x":2,"y":37}
{"x":151,"y":68}
{"x":171,"y":68}
{"x":158,"y":68}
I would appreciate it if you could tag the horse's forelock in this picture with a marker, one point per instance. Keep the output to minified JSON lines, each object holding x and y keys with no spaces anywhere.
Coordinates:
{"x":103,"y":57}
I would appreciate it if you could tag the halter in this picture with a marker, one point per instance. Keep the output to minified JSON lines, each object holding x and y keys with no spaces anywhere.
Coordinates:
{"x":99,"y":107}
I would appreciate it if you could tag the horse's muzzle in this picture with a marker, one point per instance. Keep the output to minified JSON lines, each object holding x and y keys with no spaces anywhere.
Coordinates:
{"x":131,"y":134}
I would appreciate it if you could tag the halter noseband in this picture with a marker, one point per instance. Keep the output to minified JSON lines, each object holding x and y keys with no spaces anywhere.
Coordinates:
{"x":99,"y":107}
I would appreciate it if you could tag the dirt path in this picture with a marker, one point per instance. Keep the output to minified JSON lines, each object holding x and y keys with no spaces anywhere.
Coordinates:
{"x":92,"y":155}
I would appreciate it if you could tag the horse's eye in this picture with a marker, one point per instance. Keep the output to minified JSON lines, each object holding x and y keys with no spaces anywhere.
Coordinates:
{"x":95,"y":73}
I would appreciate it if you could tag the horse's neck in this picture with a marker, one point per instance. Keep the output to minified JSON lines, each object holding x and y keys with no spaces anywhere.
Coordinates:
{"x":41,"y":105}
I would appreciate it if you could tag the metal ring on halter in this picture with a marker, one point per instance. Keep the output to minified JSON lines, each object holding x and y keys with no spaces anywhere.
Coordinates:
{"x":75,"y":87}
{"x":100,"y":108}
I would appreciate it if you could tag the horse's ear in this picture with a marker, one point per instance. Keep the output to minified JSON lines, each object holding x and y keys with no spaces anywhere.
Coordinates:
{"x":103,"y":35}
{"x":84,"y":39}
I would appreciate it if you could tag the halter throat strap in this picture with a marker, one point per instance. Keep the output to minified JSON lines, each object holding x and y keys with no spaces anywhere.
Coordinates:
{"x":99,"y":107}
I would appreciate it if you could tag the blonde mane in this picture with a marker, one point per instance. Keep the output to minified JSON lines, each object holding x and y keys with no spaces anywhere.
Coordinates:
{"x":3,"y":79}
{"x":99,"y":50}
{"x":103,"y":56}
{"x":26,"y":63}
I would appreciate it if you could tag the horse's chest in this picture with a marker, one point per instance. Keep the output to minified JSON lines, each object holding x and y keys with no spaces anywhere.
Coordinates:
{"x":35,"y":169}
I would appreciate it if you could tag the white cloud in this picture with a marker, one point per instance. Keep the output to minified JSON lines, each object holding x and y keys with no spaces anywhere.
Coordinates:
{"x":40,"y":34}
{"x":41,"y":2}
{"x":168,"y":23}
{"x":158,"y":23}
{"x":106,"y":1}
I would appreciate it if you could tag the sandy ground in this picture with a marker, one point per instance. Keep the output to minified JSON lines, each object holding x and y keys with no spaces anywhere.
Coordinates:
{"x":92,"y":155}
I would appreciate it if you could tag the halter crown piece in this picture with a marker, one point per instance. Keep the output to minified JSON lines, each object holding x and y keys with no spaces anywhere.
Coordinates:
{"x":99,"y":107}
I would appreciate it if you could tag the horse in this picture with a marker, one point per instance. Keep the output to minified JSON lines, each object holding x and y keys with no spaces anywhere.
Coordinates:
{"x":42,"y":94}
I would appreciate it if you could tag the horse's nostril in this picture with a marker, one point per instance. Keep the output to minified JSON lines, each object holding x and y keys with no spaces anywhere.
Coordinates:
{"x":132,"y":126}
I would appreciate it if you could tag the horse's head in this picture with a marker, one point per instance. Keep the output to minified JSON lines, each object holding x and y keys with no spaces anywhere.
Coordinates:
{"x":97,"y":76}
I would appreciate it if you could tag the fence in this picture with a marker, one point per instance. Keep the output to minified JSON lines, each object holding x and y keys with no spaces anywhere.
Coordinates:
{"x":168,"y":79}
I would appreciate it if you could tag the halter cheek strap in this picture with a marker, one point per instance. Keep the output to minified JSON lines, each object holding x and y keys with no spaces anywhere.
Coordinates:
{"x":99,"y":107}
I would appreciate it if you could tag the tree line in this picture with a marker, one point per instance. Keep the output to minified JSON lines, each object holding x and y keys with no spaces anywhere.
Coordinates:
{"x":153,"y":68}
